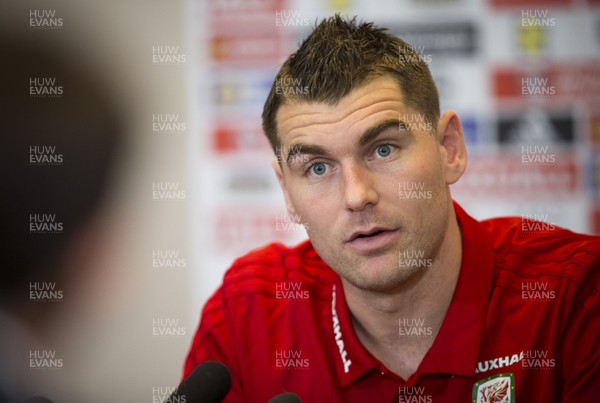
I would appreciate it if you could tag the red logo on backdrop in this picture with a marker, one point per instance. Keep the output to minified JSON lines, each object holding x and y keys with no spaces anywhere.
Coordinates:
{"x":251,"y":49}
{"x":568,"y":82}
{"x":510,"y":176}
{"x":241,"y":228}
{"x":230,"y":137}
{"x":530,"y":3}
{"x":224,"y":8}
{"x":244,"y":33}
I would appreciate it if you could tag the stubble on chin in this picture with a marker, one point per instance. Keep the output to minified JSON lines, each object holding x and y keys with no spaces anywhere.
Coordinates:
{"x":367,"y":272}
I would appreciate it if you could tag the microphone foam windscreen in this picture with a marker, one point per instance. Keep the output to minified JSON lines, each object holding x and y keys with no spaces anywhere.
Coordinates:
{"x":286,"y":398}
{"x":208,"y":383}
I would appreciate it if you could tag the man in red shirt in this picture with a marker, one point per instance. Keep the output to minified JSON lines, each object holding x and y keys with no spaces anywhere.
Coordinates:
{"x":398,"y":295}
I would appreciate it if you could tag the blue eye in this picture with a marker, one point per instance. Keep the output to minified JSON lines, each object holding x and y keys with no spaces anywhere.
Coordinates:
{"x":318,"y":169}
{"x":383,"y":150}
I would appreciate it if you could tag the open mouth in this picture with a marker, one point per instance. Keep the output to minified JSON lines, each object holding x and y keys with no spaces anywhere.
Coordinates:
{"x":372,"y":234}
{"x":372,"y":240}
{"x":368,"y":234}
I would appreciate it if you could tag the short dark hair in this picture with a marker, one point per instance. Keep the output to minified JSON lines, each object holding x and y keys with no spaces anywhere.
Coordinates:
{"x":342,"y":55}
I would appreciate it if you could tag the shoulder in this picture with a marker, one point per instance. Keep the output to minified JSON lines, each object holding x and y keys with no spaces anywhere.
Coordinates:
{"x":262,"y":282}
{"x":530,"y":248}
{"x":263,"y":270}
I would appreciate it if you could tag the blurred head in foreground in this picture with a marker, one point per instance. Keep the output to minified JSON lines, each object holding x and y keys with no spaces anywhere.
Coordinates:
{"x":61,"y":136}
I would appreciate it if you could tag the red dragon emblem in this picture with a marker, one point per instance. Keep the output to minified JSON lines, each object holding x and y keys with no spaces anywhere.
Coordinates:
{"x":497,"y":392}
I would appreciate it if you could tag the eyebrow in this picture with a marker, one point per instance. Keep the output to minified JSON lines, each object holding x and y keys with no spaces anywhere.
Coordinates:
{"x":365,"y":138}
{"x":301,"y":148}
{"x":375,"y":131}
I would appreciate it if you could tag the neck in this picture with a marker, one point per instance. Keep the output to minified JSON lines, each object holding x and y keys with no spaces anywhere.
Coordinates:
{"x":419,"y":304}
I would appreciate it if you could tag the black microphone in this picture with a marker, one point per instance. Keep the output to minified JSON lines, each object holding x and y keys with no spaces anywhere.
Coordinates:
{"x":286,"y":398}
{"x":208,"y":383}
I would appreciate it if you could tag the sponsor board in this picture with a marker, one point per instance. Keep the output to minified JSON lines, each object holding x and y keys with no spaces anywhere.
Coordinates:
{"x":530,"y":3}
{"x":567,"y":82}
{"x":227,"y":8}
{"x":247,"y":92}
{"x":457,"y":39}
{"x":244,"y":39}
{"x":494,"y":176}
{"x":237,"y":135}
{"x":470,"y":130}
{"x":532,"y":40}
{"x":241,"y":228}
{"x":536,"y":127}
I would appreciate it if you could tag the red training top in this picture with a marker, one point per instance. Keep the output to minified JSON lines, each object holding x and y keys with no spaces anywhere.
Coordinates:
{"x":523,"y":325}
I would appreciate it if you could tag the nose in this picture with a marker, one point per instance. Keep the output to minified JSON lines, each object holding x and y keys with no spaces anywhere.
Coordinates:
{"x":359,"y":190}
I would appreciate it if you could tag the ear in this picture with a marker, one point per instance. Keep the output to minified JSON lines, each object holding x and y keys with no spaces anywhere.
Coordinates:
{"x":288,"y":201}
{"x":452,"y":146}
